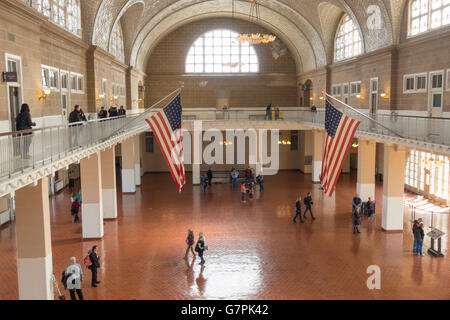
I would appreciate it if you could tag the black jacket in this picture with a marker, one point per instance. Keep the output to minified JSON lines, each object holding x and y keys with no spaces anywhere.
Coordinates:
{"x":113,"y":112}
{"x":23,"y":121}
{"x":95,"y":260}
{"x":419,"y":234}
{"x":298,"y":205}
{"x":75,"y":116}
{"x":308,"y":201}
{"x":210,"y":174}
{"x":122,"y":112}
{"x":200,"y":243}
{"x":102,"y":114}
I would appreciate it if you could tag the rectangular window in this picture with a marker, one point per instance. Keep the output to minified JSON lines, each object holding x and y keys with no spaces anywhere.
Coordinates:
{"x":64,"y":81}
{"x":337,"y":90}
{"x":355,"y":88}
{"x":294,"y":140}
{"x":437,"y":81}
{"x":408,"y":85}
{"x":104,"y":86}
{"x":421,"y":82}
{"x":80,"y":84}
{"x":346,"y":88}
{"x":73,"y":83}
{"x":53,"y":76}
{"x":44,"y":74}
{"x":448,"y":79}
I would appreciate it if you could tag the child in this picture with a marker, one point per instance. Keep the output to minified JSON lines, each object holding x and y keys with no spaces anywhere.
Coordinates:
{"x":75,"y":209}
{"x":243,"y":190}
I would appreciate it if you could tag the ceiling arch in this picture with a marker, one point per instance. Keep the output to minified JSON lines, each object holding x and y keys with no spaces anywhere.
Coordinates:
{"x":301,"y":38}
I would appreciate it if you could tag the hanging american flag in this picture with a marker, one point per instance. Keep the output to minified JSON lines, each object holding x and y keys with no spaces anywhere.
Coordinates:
{"x":166,"y":126}
{"x":340,"y":130}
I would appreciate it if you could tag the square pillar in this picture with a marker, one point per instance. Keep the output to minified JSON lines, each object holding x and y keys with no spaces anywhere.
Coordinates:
{"x":91,"y":190}
{"x":137,"y":160}
{"x":34,"y":242}
{"x":317,"y":137}
{"x":109,"y":189}
{"x":128,"y":166}
{"x":393,"y":188}
{"x":366,"y":169}
{"x":197,"y":151}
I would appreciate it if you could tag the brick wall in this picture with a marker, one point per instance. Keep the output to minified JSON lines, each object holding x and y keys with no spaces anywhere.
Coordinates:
{"x":274,"y":84}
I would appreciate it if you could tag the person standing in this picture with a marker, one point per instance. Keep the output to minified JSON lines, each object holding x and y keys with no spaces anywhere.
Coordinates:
{"x":203,"y":184}
{"x":75,"y":209}
{"x":268,"y":112}
{"x":190,"y":244}
{"x":250,"y":190}
{"x":308,"y":203}
{"x":356,"y":217}
{"x":248,"y":175}
{"x":102,"y":114}
{"x":243,"y":191}
{"x":122,"y":111}
{"x":113,"y":112}
{"x":210,"y":176}
{"x":74,"y":277}
{"x":201,"y":247}
{"x":23,"y":122}
{"x":370,"y":208}
{"x":74,"y":120}
{"x":356,"y":201}
{"x":95,"y":260}
{"x":260,"y":181}
{"x":419,"y":235}
{"x":277,"y":113}
{"x":416,"y":224}
{"x":235,"y":177}
{"x":298,"y":207}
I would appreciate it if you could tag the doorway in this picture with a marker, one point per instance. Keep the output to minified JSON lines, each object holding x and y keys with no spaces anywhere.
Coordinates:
{"x":14,"y":92}
{"x":14,"y":106}
{"x":436,"y":94}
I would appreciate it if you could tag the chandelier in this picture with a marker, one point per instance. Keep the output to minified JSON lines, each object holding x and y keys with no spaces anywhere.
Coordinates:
{"x":255,"y":38}
{"x":431,"y":164}
{"x":233,"y":64}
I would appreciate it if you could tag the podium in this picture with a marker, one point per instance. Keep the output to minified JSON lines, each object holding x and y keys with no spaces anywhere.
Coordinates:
{"x":436,"y":235}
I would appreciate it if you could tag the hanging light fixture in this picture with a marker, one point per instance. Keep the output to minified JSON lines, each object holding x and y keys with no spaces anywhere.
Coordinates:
{"x":255,"y":38}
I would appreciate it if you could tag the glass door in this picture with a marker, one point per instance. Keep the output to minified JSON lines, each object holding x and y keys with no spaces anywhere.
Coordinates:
{"x":436,"y":94}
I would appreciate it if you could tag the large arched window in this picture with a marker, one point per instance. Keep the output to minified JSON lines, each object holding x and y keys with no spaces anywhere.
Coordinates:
{"x":425,"y":15}
{"x":65,"y":13}
{"x":116,"y":45}
{"x":348,"y":40}
{"x":219,"y":51}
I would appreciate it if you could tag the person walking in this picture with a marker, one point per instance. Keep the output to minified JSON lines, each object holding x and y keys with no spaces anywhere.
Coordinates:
{"x":268,"y":115}
{"x":24,"y":122}
{"x":277,"y":113}
{"x":203,"y":184}
{"x":260,"y":181}
{"x":102,"y":114}
{"x":251,"y":187}
{"x":419,"y":236}
{"x":308,"y":203}
{"x":356,"y":218}
{"x":122,"y":112}
{"x":298,"y":208}
{"x":243,"y":192}
{"x":75,"y":209}
{"x":95,"y":260}
{"x":370,"y":208}
{"x":74,"y":276}
{"x":190,"y":244}
{"x":210,"y":176}
{"x":248,"y":175}
{"x":201,"y":247}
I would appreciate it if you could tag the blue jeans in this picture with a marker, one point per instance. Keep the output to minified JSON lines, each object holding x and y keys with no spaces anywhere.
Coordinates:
{"x":243,"y":196}
{"x":415,"y":246}
{"x":200,"y":254}
{"x":261,"y":186}
{"x":308,"y":208}
{"x":419,"y":247}
{"x":203,"y":189}
{"x":235,"y":182}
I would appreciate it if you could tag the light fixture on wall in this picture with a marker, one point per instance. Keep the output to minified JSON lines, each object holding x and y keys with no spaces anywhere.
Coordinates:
{"x":254,"y":17}
{"x":100,"y":97}
{"x":355,"y":145}
{"x":45,"y":93}
{"x":384,"y":95}
{"x":360,"y":97}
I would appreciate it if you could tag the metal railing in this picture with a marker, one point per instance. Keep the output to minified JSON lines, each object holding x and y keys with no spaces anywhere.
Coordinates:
{"x":30,"y":149}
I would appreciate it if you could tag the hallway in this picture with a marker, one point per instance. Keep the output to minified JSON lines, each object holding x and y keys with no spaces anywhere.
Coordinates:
{"x":255,"y":250}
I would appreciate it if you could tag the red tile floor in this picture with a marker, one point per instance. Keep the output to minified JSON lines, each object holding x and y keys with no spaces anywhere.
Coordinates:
{"x":256,"y":251}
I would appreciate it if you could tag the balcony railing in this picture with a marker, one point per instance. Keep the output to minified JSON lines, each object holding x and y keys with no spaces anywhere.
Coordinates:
{"x":30,"y":149}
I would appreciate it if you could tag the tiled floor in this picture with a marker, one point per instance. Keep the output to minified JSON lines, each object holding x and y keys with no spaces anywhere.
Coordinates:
{"x":256,"y":251}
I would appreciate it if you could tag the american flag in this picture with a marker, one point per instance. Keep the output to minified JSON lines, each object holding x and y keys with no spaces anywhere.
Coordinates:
{"x":340,"y":130}
{"x":166,"y":126}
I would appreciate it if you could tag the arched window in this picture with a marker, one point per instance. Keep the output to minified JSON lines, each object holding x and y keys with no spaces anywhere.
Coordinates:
{"x":116,"y":45}
{"x":348,"y":40}
{"x":425,"y":15}
{"x":219,"y":51}
{"x":65,"y":13}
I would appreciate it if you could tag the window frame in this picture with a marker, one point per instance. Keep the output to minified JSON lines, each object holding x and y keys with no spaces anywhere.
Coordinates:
{"x":447,"y":87}
{"x":337,"y":36}
{"x":48,"y":70}
{"x":336,"y":90}
{"x":429,"y":16}
{"x":351,"y":88}
{"x":53,"y":13}
{"x":78,"y":77}
{"x":61,"y":74}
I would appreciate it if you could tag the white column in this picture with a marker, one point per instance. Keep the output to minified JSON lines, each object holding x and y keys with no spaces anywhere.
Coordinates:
{"x":197,"y":151}
{"x":91,"y":191}
{"x":366,"y":169}
{"x":137,"y":160}
{"x":109,"y":189}
{"x":317,"y":155}
{"x":393,"y":188}
{"x":34,"y":243}
{"x":128,"y":167}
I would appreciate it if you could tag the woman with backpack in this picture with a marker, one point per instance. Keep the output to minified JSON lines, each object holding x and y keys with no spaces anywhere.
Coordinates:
{"x":201,"y":247}
{"x":190,"y":244}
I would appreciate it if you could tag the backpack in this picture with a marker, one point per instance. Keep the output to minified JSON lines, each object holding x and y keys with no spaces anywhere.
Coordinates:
{"x":197,"y":249}
{"x":87,"y":261}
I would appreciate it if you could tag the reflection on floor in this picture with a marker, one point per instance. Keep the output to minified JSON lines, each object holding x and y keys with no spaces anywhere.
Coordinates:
{"x":255,"y":250}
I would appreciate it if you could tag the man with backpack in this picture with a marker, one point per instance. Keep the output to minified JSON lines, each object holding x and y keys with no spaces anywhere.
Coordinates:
{"x":72,"y":278}
{"x":92,"y":262}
